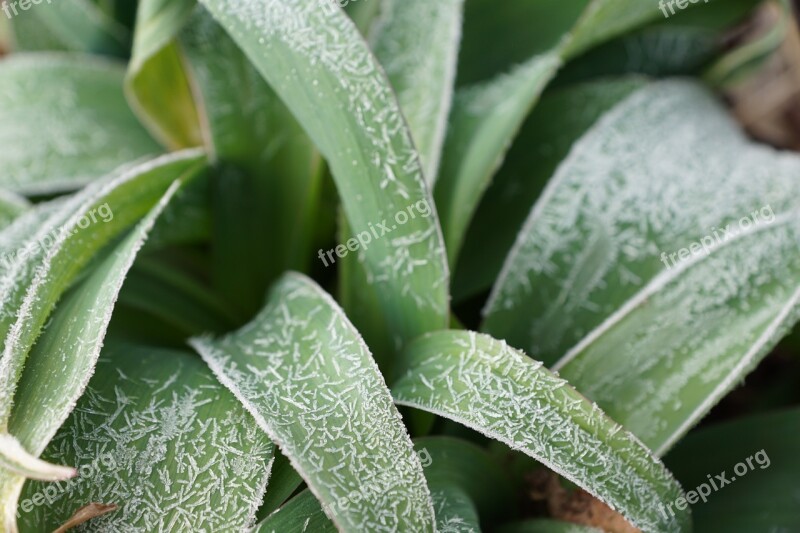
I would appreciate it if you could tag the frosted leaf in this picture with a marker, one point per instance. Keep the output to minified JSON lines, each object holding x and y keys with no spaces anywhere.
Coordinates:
{"x":158,"y":436}
{"x":11,"y":206}
{"x":586,"y":278}
{"x":352,"y":115}
{"x":309,"y":380}
{"x":487,"y":116}
{"x":63,"y":358}
{"x":492,"y":388}
{"x":416,"y":42}
{"x":43,"y":257}
{"x":64,"y":122}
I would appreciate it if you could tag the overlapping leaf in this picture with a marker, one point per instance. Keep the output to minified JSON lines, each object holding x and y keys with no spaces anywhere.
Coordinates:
{"x":486,"y":115}
{"x":157,"y":85}
{"x":320,"y":66}
{"x":417,"y":44}
{"x":62,"y":361}
{"x":267,"y":180}
{"x":64,"y":122}
{"x":656,"y":336}
{"x":309,"y":380}
{"x":11,"y":206}
{"x":542,"y":143}
{"x":43,"y":256}
{"x":492,"y":388}
{"x":158,"y":436}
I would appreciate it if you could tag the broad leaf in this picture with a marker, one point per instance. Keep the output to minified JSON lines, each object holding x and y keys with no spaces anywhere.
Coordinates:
{"x":500,"y":392}
{"x":655,"y":335}
{"x":484,"y":120}
{"x":42,"y":267}
{"x":416,"y":42}
{"x":64,"y":122}
{"x":63,"y":359}
{"x":457,"y":472}
{"x":761,"y":497}
{"x":487,"y":115}
{"x":158,"y":436}
{"x":74,"y":25}
{"x":304,"y":373}
{"x":320,"y":66}
{"x":542,"y":143}
{"x":11,"y":206}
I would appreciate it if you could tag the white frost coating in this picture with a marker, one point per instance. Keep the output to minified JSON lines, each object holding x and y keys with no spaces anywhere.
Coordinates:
{"x":156,"y":434}
{"x":315,"y":59}
{"x":309,"y":380}
{"x":655,"y":347}
{"x":22,"y":286}
{"x":637,"y":184}
{"x":45,"y":401}
{"x":80,"y":347}
{"x":417,"y":45}
{"x":492,"y":388}
{"x":65,"y":123}
{"x":692,"y":340}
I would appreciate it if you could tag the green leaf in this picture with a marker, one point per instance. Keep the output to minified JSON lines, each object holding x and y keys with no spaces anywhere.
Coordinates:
{"x":487,"y":115}
{"x":156,"y":435}
{"x":451,"y":462}
{"x":483,"y":122}
{"x":60,"y":364}
{"x":500,"y":392}
{"x":283,"y":482}
{"x":64,"y":122}
{"x":320,"y":66}
{"x":765,"y":497}
{"x":48,"y":261}
{"x":267,"y":182}
{"x":656,"y":341}
{"x":542,"y":143}
{"x":74,"y":25}
{"x":681,"y":45}
{"x":309,"y":380}
{"x":157,"y":84}
{"x":604,"y":19}
{"x":455,"y":512}
{"x":735,"y":66}
{"x":300,"y":514}
{"x":458,"y":473}
{"x":417,"y":44}
{"x":11,"y":206}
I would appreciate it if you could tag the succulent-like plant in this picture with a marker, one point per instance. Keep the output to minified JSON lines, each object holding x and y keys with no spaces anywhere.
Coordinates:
{"x":244,"y":245}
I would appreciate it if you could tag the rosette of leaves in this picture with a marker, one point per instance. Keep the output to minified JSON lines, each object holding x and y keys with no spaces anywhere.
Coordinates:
{"x":243,"y":244}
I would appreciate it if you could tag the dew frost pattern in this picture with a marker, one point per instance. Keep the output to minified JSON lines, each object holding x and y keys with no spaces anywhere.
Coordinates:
{"x":312,"y":385}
